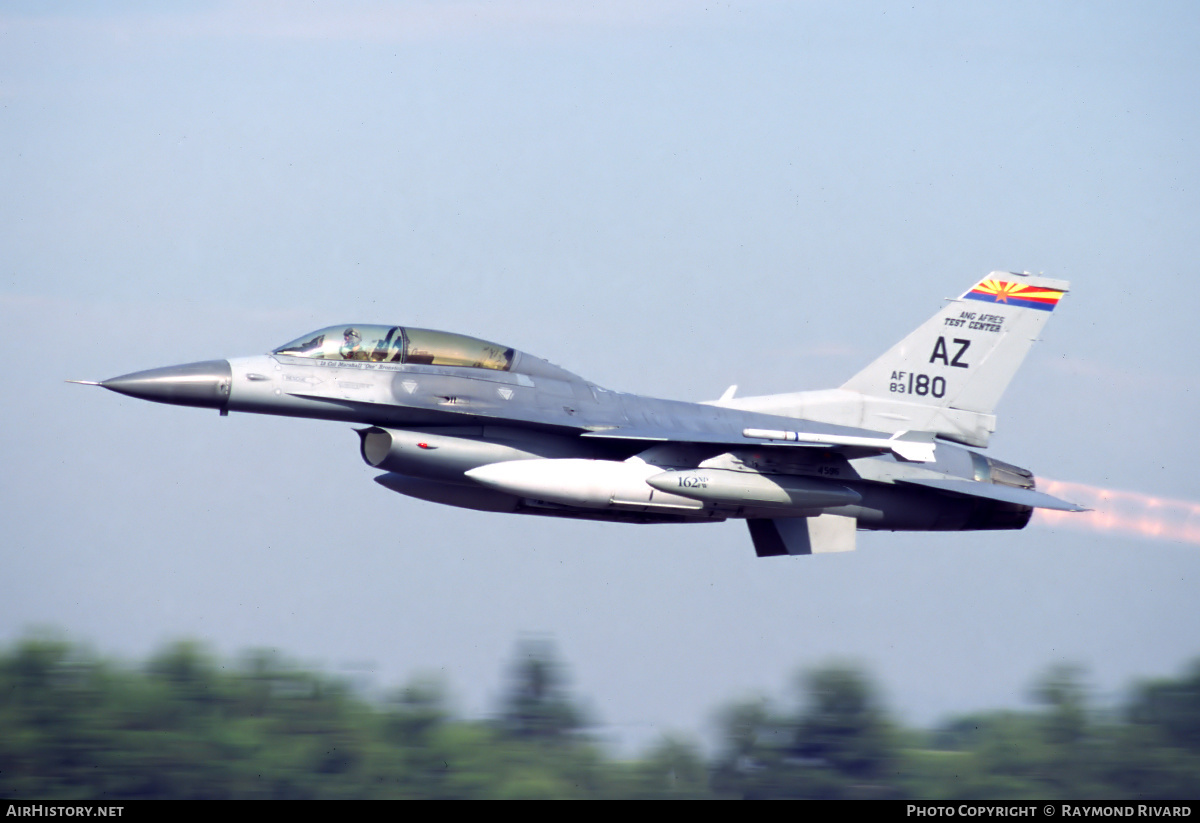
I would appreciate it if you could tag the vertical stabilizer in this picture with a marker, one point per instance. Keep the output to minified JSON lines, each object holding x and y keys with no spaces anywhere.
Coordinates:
{"x":966,"y":355}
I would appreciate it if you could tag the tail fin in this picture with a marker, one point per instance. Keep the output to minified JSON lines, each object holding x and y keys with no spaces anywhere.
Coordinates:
{"x":945,"y":378}
{"x":966,"y":355}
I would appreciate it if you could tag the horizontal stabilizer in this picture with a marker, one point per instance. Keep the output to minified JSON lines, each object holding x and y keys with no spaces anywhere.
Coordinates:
{"x":802,"y":535}
{"x":994,"y":491}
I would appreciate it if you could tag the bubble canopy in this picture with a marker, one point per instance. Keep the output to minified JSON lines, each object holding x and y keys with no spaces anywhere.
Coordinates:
{"x":399,"y":344}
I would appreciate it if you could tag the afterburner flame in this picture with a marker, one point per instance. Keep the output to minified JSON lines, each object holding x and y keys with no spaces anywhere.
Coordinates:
{"x":1122,"y":512}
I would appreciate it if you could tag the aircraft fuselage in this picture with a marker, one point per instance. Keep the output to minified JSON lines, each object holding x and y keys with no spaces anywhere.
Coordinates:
{"x":428,"y":426}
{"x":469,"y":423}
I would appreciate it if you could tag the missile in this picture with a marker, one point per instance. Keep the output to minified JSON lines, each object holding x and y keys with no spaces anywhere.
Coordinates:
{"x":911,"y":447}
{"x":721,"y":486}
{"x":599,"y":484}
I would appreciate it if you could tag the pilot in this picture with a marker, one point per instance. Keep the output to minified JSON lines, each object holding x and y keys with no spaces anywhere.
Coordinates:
{"x":351,"y":348}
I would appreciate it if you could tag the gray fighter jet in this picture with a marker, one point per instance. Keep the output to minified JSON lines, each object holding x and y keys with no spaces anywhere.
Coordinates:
{"x":461,"y":421}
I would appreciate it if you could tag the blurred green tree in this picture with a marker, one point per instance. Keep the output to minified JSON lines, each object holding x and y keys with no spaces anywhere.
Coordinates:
{"x":1171,"y":707}
{"x":538,"y":704}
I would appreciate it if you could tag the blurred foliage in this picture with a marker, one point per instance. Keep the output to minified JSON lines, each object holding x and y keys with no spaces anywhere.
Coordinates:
{"x":184,"y":725}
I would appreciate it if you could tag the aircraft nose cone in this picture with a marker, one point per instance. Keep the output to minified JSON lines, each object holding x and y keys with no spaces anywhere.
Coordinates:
{"x":203,"y":384}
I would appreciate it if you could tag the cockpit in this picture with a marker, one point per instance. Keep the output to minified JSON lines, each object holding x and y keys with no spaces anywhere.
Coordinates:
{"x":399,"y":344}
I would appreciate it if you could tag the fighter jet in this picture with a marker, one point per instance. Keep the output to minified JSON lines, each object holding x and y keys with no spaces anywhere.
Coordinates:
{"x":461,"y":421}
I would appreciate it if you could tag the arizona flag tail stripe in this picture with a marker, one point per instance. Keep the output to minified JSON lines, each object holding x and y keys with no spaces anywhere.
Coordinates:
{"x":1015,"y":294}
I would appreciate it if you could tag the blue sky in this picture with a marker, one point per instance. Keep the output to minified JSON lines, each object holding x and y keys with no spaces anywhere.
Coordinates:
{"x":666,"y":198}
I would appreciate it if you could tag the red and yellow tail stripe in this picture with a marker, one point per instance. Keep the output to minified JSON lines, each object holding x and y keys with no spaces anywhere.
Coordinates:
{"x":1015,"y":294}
